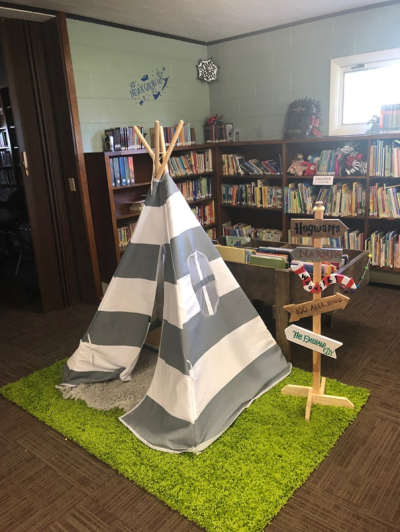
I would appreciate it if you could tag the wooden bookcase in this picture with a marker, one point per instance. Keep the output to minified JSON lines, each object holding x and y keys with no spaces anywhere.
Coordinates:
{"x":10,"y":170}
{"x":109,"y":203}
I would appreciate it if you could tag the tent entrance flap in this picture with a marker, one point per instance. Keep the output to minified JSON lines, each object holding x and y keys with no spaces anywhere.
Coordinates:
{"x":157,"y":314}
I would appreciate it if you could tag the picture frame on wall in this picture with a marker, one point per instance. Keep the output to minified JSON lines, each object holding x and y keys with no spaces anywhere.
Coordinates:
{"x":229,"y":132}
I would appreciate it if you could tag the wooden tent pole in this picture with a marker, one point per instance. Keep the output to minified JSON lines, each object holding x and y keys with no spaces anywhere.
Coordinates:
{"x":144,"y":142}
{"x":162,"y":139}
{"x":156,"y":146}
{"x":170,"y":148}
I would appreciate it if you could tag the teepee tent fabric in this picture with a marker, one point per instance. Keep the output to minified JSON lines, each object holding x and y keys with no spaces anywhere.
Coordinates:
{"x":216,"y":355}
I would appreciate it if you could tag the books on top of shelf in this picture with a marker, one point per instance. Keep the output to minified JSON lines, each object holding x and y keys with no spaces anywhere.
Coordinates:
{"x":124,"y":138}
{"x":233,"y":164}
{"x":195,"y":189}
{"x":191,"y":163}
{"x":384,"y":248}
{"x":186,"y":137}
{"x":390,"y":118}
{"x":385,"y":158}
{"x":384,"y":201}
{"x":254,"y":194}
{"x":122,"y":171}
{"x":242,"y":229}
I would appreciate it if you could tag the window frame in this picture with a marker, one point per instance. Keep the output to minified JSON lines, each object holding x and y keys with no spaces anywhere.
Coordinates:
{"x":339,"y":67}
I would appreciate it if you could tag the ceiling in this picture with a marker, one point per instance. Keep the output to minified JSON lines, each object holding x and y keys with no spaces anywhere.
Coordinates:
{"x":201,"y":20}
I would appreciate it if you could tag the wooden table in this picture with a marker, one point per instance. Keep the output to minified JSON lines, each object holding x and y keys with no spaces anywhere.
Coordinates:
{"x":276,"y":287}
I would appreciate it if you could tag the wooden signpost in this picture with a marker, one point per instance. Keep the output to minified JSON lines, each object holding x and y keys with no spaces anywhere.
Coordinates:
{"x":317,"y":255}
{"x":317,"y":229}
{"x":317,"y":342}
{"x":313,"y":308}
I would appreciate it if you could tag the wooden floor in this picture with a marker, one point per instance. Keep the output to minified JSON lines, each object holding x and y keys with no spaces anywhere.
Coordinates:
{"x":47,"y":483}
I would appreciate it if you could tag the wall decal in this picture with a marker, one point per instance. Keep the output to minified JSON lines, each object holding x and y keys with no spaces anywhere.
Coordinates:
{"x":150,"y":86}
{"x":207,"y":70}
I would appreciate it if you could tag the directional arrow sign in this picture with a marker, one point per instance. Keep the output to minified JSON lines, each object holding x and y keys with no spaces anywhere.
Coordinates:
{"x":317,"y":254}
{"x":313,"y":308}
{"x":318,"y":228}
{"x":311,"y":340}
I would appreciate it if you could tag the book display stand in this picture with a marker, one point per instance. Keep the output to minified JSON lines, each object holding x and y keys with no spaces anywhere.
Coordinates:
{"x":314,"y":340}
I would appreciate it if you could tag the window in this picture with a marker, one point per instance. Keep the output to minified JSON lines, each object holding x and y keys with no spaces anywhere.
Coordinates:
{"x":360,"y":85}
{"x":203,"y":283}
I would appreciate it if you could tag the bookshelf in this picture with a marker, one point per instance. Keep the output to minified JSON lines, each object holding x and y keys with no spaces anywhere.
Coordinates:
{"x":109,"y":204}
{"x":10,"y":173}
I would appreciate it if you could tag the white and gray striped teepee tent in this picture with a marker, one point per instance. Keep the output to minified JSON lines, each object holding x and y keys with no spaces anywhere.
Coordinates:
{"x":216,"y":355}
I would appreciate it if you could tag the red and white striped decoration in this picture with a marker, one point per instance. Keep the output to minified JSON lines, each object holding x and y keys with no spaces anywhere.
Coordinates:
{"x":314,"y":288}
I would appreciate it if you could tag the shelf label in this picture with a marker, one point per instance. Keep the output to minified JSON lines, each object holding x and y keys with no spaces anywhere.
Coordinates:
{"x":315,"y":342}
{"x":318,"y":228}
{"x":323,"y":180}
{"x":317,"y":254}
{"x":319,"y":306}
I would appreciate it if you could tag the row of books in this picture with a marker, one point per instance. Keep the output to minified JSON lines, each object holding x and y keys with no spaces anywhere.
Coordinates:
{"x":384,"y":201}
{"x":3,"y":139}
{"x":7,"y":176}
{"x":195,"y":189}
{"x":215,"y":133}
{"x":123,"y":138}
{"x":254,"y":194}
{"x":125,"y":233}
{"x":5,"y":193}
{"x":191,"y":163}
{"x":233,"y":164}
{"x":5,"y":158}
{"x":212,"y":233}
{"x":390,"y":118}
{"x":341,"y":199}
{"x":205,"y":213}
{"x":187,"y":136}
{"x":350,"y":240}
{"x":122,"y":171}
{"x":385,"y":158}
{"x":327,"y":163}
{"x":246,"y":230}
{"x":384,"y":248}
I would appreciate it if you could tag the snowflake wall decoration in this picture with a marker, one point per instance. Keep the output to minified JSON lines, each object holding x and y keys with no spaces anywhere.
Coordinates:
{"x":207,"y":70}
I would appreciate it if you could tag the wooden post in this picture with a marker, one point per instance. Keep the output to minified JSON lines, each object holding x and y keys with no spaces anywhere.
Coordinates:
{"x":316,"y":393}
{"x":282,"y":298}
{"x":156,"y":146}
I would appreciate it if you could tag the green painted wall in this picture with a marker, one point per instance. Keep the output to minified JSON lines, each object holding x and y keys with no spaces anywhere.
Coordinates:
{"x":261,"y":75}
{"x":105,"y":61}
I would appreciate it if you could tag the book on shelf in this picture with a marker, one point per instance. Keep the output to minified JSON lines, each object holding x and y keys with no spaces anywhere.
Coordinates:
{"x":5,"y":158}
{"x":384,"y":158}
{"x":205,"y":214}
{"x":327,"y":163}
{"x":212,"y":233}
{"x":7,"y":176}
{"x":3,"y":139}
{"x":384,"y":248}
{"x":191,"y":163}
{"x":125,"y":138}
{"x":233,"y":164}
{"x":350,"y":240}
{"x":136,"y":207}
{"x":390,"y":118}
{"x":268,"y":261}
{"x":242,"y":229}
{"x":254,"y":194}
{"x":122,"y":171}
{"x":384,"y":201}
{"x":187,"y":136}
{"x":195,"y":189}
{"x":125,"y":233}
{"x":340,"y":199}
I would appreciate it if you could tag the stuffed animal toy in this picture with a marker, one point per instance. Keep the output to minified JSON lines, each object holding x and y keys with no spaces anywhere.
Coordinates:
{"x":349,"y":161}
{"x":302,"y":119}
{"x":309,"y":169}
{"x":295,"y":168}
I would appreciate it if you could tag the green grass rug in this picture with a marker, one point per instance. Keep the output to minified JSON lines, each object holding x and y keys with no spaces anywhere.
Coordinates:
{"x":240,"y":482}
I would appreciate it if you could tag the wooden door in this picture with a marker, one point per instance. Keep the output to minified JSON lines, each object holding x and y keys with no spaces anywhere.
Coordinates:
{"x":43,"y":97}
